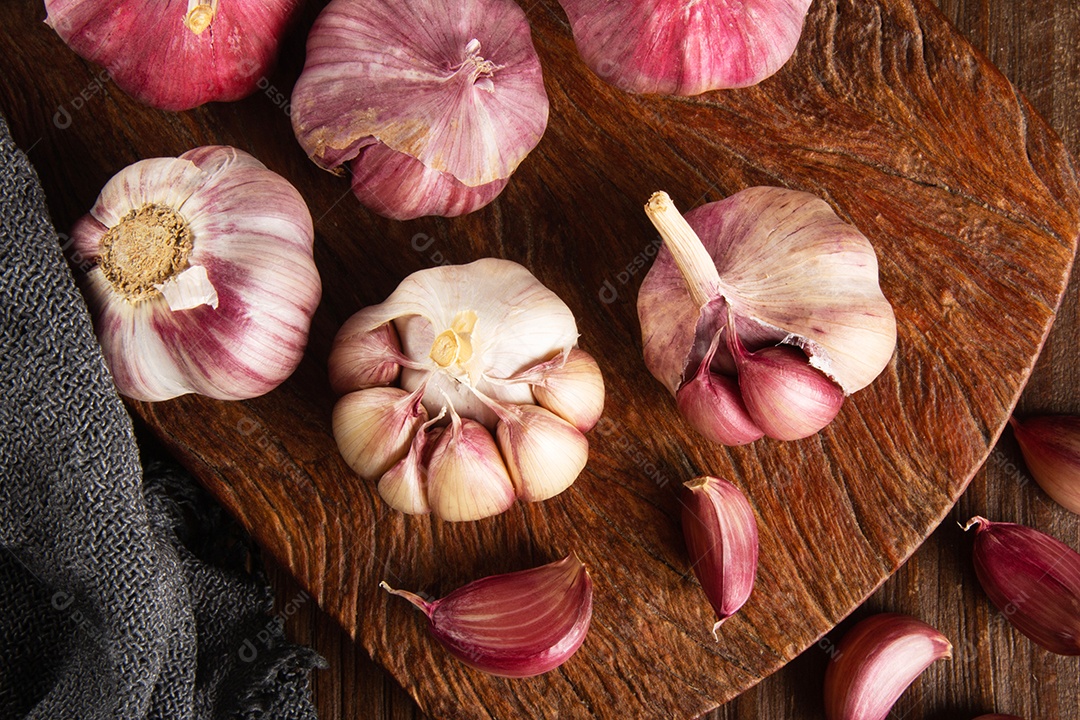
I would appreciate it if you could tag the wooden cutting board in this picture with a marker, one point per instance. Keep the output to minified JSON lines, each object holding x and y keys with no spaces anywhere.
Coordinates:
{"x":969,"y":199}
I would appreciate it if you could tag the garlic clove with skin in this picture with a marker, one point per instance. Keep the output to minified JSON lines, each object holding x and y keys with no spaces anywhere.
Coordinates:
{"x":677,"y":47}
{"x":544,"y":454}
{"x":784,"y":396}
{"x":366,"y":358}
{"x":176,"y":54}
{"x":569,"y":385}
{"x":404,"y":486}
{"x":1034,"y":579}
{"x":374,"y":428}
{"x":711,"y":403}
{"x":516,"y":625}
{"x":202,"y":278}
{"x":721,"y":536}
{"x":876,"y":661}
{"x":1051,"y":448}
{"x":467,"y":479}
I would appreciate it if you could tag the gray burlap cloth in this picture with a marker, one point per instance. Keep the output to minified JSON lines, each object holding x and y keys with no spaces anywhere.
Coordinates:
{"x":120,"y":596}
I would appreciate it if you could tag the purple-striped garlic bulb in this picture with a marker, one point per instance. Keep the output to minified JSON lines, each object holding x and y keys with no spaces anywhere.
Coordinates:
{"x":199,"y":275}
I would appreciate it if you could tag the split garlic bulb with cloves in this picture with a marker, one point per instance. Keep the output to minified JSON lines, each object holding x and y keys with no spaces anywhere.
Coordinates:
{"x":792,"y":287}
{"x":430,"y":105}
{"x":176,"y":54}
{"x":679,"y":47}
{"x":201,"y":277}
{"x":494,"y":397}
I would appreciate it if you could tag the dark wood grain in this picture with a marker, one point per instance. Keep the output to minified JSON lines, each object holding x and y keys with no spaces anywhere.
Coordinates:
{"x":888,"y":114}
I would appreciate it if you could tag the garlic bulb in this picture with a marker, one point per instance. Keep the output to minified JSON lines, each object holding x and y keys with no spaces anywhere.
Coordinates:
{"x":515,"y":625}
{"x":678,"y":47}
{"x":767,"y":267}
{"x":876,"y":662}
{"x":472,"y":342}
{"x":176,"y":54}
{"x":203,"y":279}
{"x":429,"y":123}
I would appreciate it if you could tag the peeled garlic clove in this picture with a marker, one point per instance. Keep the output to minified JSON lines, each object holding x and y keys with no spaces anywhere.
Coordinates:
{"x":571,"y":386}
{"x":722,"y":538}
{"x":176,"y":54}
{"x":400,"y":187}
{"x":362,"y":358}
{"x":784,"y":395}
{"x":464,"y":98}
{"x":517,"y":625}
{"x":876,"y":661}
{"x":203,"y":279}
{"x":1051,"y":449}
{"x":543,"y":452}
{"x":375,"y":427}
{"x":1033,"y":579}
{"x":677,"y":47}
{"x":789,"y":270}
{"x":467,"y":479}
{"x":711,"y":403}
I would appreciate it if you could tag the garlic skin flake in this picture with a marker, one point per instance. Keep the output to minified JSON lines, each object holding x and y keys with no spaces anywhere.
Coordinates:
{"x":775,"y":267}
{"x":1034,"y":579}
{"x":685,"y":47}
{"x":876,"y":661}
{"x":516,"y":625}
{"x":176,"y":54}
{"x":473,"y":342}
{"x":203,"y":279}
{"x":431,"y":122}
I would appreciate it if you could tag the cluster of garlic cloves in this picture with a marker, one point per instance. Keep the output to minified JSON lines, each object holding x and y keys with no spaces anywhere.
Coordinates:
{"x":520,"y":624}
{"x":201,"y":276}
{"x":464,"y":391}
{"x":761,"y":312}
{"x":176,"y":54}
{"x":428,"y":123}
{"x":677,"y":47}
{"x":876,"y":661}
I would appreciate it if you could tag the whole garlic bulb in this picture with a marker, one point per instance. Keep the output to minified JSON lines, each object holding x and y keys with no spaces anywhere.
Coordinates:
{"x":176,"y":54}
{"x":767,"y":267}
{"x":678,"y":47}
{"x":431,"y":122}
{"x":202,"y":278}
{"x":475,"y":342}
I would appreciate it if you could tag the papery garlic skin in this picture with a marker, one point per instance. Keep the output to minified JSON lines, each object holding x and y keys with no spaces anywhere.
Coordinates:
{"x":474,"y":341}
{"x":1051,"y":448}
{"x":677,"y":47}
{"x":1034,"y":579}
{"x":176,"y":54}
{"x":430,"y":122}
{"x":775,"y":266}
{"x":876,"y":661}
{"x":721,"y":536}
{"x":236,"y":239}
{"x":516,"y":625}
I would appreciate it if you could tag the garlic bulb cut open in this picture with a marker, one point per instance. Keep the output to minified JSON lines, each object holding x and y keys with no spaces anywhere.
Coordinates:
{"x":474,"y":341}
{"x":776,"y":267}
{"x":679,"y":47}
{"x":176,"y":54}
{"x":202,"y":278}
{"x":431,"y":105}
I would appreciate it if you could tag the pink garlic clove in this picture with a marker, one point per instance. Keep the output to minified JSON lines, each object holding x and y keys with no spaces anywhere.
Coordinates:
{"x":176,"y":54}
{"x":722,"y":539}
{"x":571,"y":386}
{"x":711,"y":403}
{"x":875,"y":663}
{"x":467,"y":479}
{"x":1051,"y":448}
{"x":361,"y":359}
{"x":374,"y":428}
{"x":404,"y":486}
{"x":544,"y":454}
{"x":515,"y":625}
{"x":677,"y":47}
{"x":1033,"y":579}
{"x":785,"y":396}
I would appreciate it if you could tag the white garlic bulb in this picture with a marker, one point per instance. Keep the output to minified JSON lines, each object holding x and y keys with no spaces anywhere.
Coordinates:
{"x":202,"y":278}
{"x":475,"y":340}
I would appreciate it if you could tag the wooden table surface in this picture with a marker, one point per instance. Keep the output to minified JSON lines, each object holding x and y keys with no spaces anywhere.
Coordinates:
{"x":1036,"y":43}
